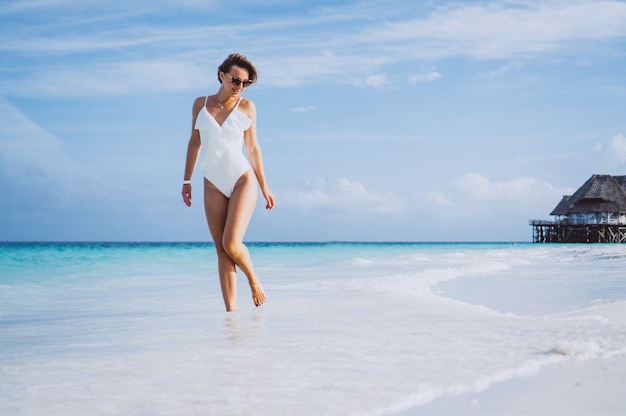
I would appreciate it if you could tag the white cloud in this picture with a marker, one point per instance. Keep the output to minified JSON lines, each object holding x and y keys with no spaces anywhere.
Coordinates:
{"x":32,"y":157}
{"x":104,"y":59}
{"x":304,"y":109}
{"x":129,"y":7}
{"x":301,"y":66}
{"x":120,"y":78}
{"x":477,"y":187}
{"x":597,"y":148}
{"x":344,"y":197}
{"x":617,"y":148}
{"x":427,"y":77}
{"x":376,"y":80}
{"x":433,"y":198}
{"x":505,"y":30}
{"x":19,"y":6}
{"x":27,"y":147}
{"x":502,"y":70}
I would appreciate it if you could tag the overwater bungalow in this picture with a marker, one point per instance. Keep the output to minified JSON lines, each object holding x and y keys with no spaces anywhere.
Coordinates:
{"x":595,"y":213}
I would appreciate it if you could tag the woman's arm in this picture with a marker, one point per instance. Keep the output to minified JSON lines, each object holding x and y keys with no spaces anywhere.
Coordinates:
{"x":254,"y":152}
{"x":193,"y":149}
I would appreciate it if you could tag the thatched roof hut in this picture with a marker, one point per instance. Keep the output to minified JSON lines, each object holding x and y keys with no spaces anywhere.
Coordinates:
{"x":600,"y":194}
{"x":595,"y":213}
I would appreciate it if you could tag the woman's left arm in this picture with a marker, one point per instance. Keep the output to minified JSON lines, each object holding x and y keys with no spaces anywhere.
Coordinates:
{"x":254,"y":152}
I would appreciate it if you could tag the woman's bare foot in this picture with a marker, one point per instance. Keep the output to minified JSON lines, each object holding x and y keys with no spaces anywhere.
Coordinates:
{"x":258,"y":295}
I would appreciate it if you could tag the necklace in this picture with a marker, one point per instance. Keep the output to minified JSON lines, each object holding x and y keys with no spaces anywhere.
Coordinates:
{"x":222,"y":104}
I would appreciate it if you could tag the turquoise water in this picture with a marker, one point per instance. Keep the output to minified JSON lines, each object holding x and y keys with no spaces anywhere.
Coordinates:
{"x":348,"y":329}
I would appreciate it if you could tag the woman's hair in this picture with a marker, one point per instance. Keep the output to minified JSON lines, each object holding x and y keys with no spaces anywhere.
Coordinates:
{"x":240,"y":61}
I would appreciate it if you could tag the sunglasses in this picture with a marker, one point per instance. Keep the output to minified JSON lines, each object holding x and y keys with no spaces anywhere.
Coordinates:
{"x":238,"y":81}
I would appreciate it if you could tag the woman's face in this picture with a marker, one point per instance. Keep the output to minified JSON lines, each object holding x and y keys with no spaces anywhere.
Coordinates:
{"x":236,"y":75}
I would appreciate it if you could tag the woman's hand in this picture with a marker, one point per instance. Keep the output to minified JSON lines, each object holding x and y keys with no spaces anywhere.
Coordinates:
{"x":269,"y":198}
{"x":187,"y":194}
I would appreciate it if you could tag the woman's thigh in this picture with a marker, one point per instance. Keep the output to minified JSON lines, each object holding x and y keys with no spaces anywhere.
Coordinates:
{"x":216,"y":211}
{"x":241,"y":207}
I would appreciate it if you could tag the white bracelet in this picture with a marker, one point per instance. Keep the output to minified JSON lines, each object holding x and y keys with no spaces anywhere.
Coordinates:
{"x":187,"y":182}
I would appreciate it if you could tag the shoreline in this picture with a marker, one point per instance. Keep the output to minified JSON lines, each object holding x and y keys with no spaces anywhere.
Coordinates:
{"x":573,"y":388}
{"x":587,"y":386}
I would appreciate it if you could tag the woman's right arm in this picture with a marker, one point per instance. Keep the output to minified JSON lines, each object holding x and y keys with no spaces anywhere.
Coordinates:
{"x":193,"y":149}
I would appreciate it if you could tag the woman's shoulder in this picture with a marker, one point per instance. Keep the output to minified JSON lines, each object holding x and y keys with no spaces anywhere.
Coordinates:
{"x":247,"y":107}
{"x":198,"y":103}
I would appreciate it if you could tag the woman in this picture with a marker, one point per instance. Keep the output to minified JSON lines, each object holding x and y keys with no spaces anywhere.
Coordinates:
{"x":220,"y":123}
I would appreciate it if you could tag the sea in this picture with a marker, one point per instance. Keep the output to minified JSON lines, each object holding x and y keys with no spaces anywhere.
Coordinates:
{"x":363,"y":329}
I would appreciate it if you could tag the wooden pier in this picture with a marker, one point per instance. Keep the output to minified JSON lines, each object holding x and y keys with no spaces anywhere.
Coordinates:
{"x":563,"y":232}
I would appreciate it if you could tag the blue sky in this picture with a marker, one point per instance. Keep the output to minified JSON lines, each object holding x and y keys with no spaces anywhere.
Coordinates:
{"x":379,"y":120}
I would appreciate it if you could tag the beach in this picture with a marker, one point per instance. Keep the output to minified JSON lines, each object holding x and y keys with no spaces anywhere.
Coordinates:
{"x":573,"y":388}
{"x":349,"y":329}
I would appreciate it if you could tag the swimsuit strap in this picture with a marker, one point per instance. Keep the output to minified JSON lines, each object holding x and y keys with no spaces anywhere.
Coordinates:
{"x":205,"y":100}
{"x":238,"y":101}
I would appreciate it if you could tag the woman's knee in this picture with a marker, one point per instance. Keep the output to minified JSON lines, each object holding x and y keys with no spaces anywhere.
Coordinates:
{"x":232,"y":247}
{"x":222,"y":254}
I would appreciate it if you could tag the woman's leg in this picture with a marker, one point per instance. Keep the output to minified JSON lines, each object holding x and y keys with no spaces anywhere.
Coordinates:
{"x":240,"y":209}
{"x":216,"y":210}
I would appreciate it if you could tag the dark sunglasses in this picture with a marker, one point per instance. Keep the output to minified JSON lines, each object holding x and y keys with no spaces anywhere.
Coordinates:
{"x":237,"y":81}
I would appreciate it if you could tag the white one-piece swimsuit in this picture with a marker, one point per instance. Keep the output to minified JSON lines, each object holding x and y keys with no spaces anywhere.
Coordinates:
{"x":224,"y":161}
